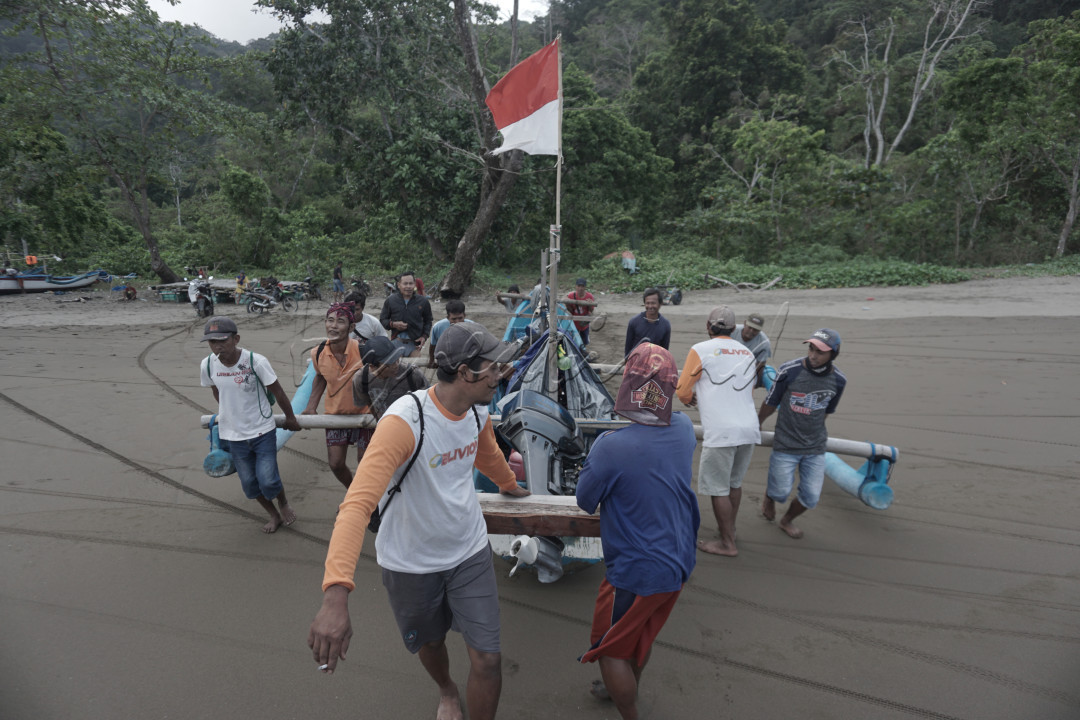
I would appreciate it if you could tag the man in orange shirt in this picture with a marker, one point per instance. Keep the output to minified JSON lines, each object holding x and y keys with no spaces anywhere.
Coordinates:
{"x":336,"y":361}
{"x":432,"y":543}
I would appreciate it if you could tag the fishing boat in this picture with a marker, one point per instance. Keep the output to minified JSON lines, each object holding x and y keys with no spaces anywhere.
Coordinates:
{"x":41,"y":282}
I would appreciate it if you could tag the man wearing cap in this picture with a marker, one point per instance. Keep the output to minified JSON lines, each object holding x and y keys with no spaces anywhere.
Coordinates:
{"x":649,"y":325}
{"x":718,"y":377}
{"x":751,"y":334}
{"x":366,"y":326}
{"x":240,"y":379}
{"x":336,"y":361}
{"x":641,"y":476}
{"x":455,"y":313}
{"x":432,"y":545}
{"x":407,"y":315}
{"x":580,"y":293}
{"x":384,"y":378}
{"x":806,"y":390}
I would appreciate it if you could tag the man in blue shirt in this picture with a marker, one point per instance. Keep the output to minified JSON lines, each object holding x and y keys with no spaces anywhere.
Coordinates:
{"x":649,"y":325}
{"x":641,"y":475}
{"x":455,"y":313}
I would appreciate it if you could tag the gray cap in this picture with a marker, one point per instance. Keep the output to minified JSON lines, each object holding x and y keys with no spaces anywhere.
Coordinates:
{"x":462,"y":342}
{"x":722,"y":316}
{"x":219,"y":328}
{"x":755,"y":321}
{"x":380,"y":350}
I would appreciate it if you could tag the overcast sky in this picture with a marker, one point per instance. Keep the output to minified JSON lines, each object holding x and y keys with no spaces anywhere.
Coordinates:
{"x":242,"y":21}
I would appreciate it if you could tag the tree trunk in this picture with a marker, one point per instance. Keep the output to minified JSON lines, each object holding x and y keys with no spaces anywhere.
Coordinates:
{"x":500,"y":172}
{"x":1074,"y":208}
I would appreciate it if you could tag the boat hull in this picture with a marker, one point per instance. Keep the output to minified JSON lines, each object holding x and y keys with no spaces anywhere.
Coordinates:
{"x":48,"y":283}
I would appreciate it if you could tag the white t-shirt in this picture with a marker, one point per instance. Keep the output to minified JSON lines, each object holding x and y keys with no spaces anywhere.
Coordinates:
{"x":724,"y":390}
{"x":243,"y":410}
{"x":367,"y":327}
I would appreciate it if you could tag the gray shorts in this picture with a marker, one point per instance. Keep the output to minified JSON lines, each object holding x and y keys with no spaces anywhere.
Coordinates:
{"x":464,"y":598}
{"x":722,"y":469}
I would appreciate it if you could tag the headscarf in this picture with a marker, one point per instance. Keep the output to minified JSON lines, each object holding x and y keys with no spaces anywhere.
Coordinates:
{"x":347,"y":309}
{"x":648,"y":385}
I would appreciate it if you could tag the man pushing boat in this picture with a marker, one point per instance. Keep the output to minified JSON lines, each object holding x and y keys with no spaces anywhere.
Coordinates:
{"x":432,"y":541}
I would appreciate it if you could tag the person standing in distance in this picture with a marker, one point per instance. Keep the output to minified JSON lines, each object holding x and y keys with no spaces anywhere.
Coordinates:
{"x":338,"y":291}
{"x":718,"y":377}
{"x":407,"y":315}
{"x":580,"y":293}
{"x":806,"y":391}
{"x":432,"y":545}
{"x":649,"y":325}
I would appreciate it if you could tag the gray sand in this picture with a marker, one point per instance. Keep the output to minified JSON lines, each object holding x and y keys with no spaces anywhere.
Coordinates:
{"x":134,"y":586}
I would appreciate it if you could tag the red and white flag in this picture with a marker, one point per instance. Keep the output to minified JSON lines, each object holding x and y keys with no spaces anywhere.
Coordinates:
{"x":527,"y":104}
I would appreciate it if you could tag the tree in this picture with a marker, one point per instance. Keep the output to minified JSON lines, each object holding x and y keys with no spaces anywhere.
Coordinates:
{"x":125,"y":87}
{"x":871,"y":56}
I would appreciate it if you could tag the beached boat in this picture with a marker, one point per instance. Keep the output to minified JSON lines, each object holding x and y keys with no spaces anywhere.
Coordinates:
{"x":41,"y":282}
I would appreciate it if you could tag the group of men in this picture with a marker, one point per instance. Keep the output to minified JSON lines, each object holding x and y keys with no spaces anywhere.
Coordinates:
{"x":432,"y":544}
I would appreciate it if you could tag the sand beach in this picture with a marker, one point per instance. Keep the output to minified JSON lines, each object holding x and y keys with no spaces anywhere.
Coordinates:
{"x":132,"y":585}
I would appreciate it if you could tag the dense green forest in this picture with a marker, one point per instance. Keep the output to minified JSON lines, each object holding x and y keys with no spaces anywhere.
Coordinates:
{"x":709,"y":133}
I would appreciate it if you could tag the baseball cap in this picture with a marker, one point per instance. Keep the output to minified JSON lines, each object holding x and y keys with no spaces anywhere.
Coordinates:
{"x":722,"y":316}
{"x":648,"y":385}
{"x":463,"y":342}
{"x":825,"y":339}
{"x":755,"y":321}
{"x":219,"y":328}
{"x":380,"y":350}
{"x":580,"y":281}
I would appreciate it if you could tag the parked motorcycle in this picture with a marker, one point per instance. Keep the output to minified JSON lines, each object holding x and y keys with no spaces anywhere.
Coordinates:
{"x":201,"y":295}
{"x":309,"y":289}
{"x":360,"y":285}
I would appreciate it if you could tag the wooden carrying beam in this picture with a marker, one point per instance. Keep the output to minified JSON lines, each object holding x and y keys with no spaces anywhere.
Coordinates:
{"x":537,"y":515}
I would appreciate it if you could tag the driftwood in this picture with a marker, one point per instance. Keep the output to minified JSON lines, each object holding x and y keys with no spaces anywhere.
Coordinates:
{"x":737,"y":287}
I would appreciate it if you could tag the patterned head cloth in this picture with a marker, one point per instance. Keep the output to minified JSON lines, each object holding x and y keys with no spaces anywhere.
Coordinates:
{"x":648,"y":386}
{"x":347,"y":309}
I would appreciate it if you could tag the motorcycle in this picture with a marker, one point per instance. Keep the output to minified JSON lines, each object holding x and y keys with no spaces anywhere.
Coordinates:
{"x":264,"y":300}
{"x":201,"y":295}
{"x":309,"y":290}
{"x":360,"y":285}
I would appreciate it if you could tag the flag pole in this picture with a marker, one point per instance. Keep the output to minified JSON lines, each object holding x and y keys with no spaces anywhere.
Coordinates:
{"x":554,"y":251}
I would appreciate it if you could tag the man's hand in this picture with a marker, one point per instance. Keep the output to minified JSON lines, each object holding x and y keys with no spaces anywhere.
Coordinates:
{"x":331,"y":630}
{"x":516,"y":491}
{"x":399,"y":325}
{"x":291,"y":423}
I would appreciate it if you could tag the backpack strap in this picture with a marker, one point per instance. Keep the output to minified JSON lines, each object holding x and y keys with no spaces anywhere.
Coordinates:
{"x":376,"y":516}
{"x":365,"y":381}
{"x":318,"y":352}
{"x":208,"y":369}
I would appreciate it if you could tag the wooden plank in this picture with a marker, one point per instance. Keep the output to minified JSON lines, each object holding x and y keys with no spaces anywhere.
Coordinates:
{"x":537,"y":515}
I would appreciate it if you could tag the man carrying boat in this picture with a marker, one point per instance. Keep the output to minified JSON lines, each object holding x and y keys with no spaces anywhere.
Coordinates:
{"x":455,"y":313}
{"x":806,"y":391}
{"x":718,"y":377}
{"x":336,"y":360}
{"x":432,"y":544}
{"x":240,"y":380}
{"x":751,"y":334}
{"x":640,"y":475}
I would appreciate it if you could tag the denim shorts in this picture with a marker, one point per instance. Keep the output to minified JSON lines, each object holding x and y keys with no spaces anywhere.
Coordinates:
{"x":782,"y":468}
{"x":464,"y":598}
{"x":256,"y":464}
{"x":339,"y":286}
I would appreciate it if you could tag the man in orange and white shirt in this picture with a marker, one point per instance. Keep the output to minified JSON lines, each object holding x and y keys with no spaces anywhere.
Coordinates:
{"x":432,"y":546}
{"x":718,"y":377}
{"x":336,"y":361}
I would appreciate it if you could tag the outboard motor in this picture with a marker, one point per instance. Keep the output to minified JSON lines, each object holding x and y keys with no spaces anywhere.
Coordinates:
{"x":548,"y":439}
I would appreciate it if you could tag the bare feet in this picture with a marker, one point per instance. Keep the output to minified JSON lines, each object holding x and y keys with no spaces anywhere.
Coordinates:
{"x":717,"y":547}
{"x":287,"y":515}
{"x":768,"y":509}
{"x":792,"y":531}
{"x":273,"y":525}
{"x":599,"y":690}
{"x":449,"y":706}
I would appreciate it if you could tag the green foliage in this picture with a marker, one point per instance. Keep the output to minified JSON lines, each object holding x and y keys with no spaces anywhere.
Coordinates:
{"x":687,"y":270}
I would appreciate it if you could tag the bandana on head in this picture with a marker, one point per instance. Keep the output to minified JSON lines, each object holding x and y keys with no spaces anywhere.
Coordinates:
{"x":648,"y":386}
{"x":347,"y":309}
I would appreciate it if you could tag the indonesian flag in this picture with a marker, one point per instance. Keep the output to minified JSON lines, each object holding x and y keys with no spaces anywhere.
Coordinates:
{"x":527,"y":104}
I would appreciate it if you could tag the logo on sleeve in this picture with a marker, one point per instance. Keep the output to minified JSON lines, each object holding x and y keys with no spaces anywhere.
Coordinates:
{"x":806,"y":403}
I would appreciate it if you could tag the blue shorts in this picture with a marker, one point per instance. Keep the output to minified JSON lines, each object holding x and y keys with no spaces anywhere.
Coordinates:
{"x":339,"y":286}
{"x":256,"y":464}
{"x":782,"y":468}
